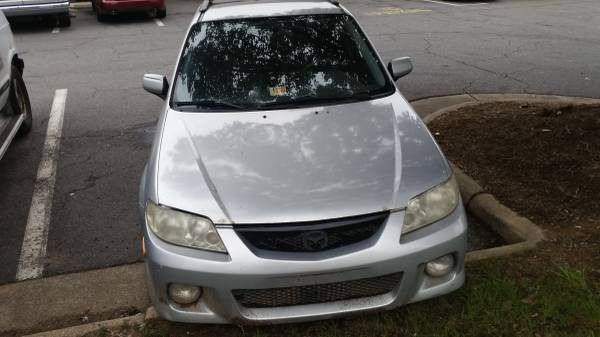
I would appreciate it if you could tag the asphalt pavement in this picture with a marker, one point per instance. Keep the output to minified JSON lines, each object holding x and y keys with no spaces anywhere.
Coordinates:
{"x":502,"y":46}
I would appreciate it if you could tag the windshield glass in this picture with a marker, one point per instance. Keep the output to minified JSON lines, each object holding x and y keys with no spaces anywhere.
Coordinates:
{"x":265,"y":62}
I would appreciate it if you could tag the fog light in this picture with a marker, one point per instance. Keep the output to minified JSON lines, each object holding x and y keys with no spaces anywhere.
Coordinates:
{"x":183,"y":293}
{"x":440,"y":266}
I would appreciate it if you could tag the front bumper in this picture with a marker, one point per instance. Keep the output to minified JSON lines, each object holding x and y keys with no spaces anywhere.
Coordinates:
{"x":242,"y":268}
{"x":115,"y":6}
{"x":41,"y":9}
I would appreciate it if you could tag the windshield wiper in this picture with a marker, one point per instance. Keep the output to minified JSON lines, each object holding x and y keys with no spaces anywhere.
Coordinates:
{"x":209,"y":103}
{"x":297,"y":101}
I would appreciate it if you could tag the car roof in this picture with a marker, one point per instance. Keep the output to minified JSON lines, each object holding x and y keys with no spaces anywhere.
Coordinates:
{"x":235,"y":9}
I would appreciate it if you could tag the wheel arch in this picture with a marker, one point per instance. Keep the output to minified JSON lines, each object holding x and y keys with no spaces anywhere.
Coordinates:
{"x":18,"y":62}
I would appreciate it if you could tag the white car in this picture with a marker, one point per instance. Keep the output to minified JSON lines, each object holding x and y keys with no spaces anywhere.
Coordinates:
{"x":15,"y":109}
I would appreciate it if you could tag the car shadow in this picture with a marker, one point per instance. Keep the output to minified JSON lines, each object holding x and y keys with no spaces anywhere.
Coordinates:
{"x":128,"y":18}
{"x":32,"y":24}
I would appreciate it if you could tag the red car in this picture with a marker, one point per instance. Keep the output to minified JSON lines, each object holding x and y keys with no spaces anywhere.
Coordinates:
{"x":104,"y":8}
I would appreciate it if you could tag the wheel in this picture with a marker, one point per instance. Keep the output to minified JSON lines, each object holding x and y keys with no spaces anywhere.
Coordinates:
{"x":64,"y":20}
{"x":19,"y":100}
{"x":161,"y":13}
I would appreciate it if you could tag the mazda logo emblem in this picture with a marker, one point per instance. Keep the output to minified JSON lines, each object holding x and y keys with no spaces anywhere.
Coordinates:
{"x":314,"y":240}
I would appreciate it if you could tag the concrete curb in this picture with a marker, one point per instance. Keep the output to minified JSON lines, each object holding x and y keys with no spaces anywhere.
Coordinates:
{"x":433,"y":107}
{"x":518,"y":231}
{"x":59,"y":301}
{"x":151,"y":314}
{"x":80,"y":330}
{"x":80,"y":5}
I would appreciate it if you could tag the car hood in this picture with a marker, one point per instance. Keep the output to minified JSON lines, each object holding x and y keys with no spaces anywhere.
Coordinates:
{"x":296,"y":165}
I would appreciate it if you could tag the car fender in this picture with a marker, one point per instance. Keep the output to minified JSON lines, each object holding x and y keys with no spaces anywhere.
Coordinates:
{"x":6,"y":60}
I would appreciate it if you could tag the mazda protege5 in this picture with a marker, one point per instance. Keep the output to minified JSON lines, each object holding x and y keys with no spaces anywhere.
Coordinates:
{"x":289,"y":179}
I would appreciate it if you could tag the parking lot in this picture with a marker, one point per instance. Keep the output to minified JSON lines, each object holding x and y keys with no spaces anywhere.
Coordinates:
{"x":516,"y":46}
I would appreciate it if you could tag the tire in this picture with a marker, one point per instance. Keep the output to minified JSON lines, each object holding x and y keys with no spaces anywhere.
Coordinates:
{"x":64,"y":20}
{"x":19,"y":100}
{"x":161,"y":13}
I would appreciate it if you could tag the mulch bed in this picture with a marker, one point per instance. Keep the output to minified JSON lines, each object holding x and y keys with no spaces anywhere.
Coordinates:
{"x":541,"y":160}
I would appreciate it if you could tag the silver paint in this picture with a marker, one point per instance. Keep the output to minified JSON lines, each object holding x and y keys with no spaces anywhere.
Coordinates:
{"x":33,"y":7}
{"x":289,"y":166}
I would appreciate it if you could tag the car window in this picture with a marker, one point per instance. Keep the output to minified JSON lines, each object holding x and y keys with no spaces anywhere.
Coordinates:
{"x":265,"y":62}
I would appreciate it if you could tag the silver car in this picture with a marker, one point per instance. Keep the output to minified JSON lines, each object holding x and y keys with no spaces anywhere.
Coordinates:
{"x":55,"y":8}
{"x":289,"y":179}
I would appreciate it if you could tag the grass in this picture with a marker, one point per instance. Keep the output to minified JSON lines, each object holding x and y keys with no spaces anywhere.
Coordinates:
{"x":497,"y":300}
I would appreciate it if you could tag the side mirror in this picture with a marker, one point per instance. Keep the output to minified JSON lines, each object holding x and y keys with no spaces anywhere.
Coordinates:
{"x":156,"y":84}
{"x":400,"y":67}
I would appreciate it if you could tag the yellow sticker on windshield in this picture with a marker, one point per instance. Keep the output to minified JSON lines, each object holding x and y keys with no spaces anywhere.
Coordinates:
{"x":279,"y":90}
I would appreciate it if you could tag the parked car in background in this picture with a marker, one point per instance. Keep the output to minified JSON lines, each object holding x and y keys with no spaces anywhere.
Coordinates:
{"x":15,"y":109}
{"x":289,"y":179}
{"x":106,"y":8}
{"x":58,"y":9}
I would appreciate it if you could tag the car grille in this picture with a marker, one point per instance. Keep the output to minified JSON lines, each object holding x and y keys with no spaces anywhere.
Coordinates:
{"x":311,"y":236}
{"x":320,"y":293}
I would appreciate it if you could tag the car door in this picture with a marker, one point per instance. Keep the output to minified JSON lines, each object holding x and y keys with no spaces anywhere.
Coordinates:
{"x":40,"y":2}
{"x":6,"y":3}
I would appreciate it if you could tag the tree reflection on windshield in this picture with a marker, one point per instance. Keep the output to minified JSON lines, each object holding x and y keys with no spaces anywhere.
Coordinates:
{"x":250,"y":62}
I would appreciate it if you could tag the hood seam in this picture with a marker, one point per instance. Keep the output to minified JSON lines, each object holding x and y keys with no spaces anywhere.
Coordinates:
{"x":209,"y":183}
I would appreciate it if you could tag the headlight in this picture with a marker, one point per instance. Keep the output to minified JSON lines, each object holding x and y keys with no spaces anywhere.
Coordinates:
{"x":431,"y":206}
{"x":182,"y":228}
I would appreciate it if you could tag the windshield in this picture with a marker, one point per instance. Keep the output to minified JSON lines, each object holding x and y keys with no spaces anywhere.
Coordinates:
{"x":286,"y":61}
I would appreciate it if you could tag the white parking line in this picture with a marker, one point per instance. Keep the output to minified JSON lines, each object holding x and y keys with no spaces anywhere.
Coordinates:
{"x":454,"y":4}
{"x":56,"y":30}
{"x":36,"y":231}
{"x":159,"y":22}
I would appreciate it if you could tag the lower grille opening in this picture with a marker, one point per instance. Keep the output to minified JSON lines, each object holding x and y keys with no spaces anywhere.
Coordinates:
{"x":319,"y":293}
